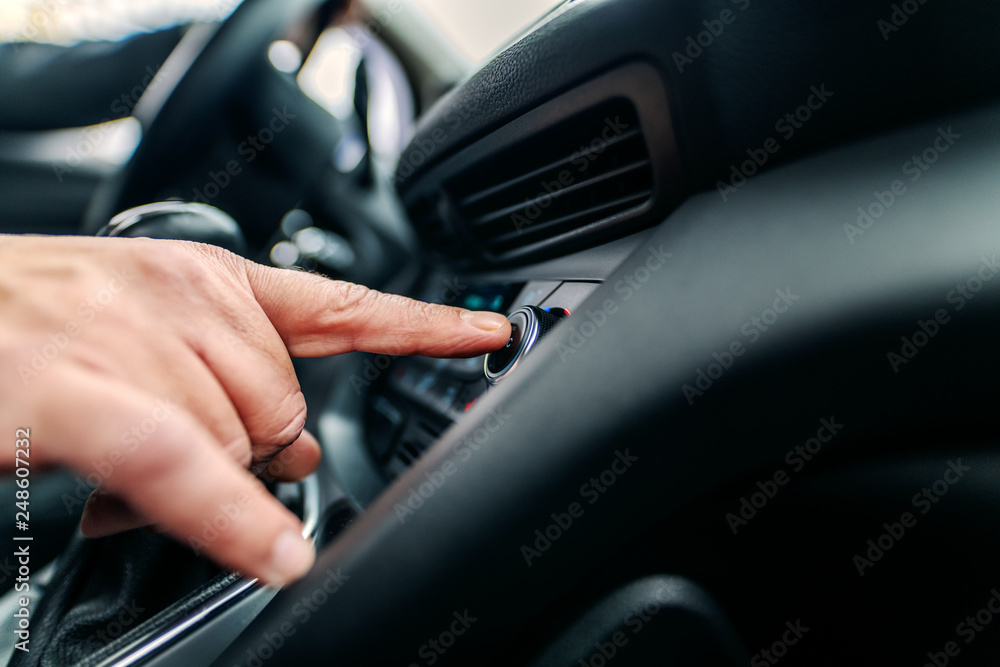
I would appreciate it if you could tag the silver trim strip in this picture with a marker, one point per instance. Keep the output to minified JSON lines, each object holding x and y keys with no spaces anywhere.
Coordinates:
{"x":310,"y":520}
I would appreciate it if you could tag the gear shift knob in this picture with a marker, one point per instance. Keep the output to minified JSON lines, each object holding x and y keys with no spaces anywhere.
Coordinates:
{"x":181,"y":221}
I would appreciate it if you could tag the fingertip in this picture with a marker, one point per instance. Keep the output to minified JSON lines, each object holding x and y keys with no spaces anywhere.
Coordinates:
{"x":292,"y":555}
{"x":484,"y":320}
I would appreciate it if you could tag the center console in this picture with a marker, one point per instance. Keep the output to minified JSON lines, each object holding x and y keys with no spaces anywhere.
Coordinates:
{"x":413,"y":400}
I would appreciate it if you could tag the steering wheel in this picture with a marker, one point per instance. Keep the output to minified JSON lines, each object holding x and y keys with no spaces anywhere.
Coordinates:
{"x":196,"y":81}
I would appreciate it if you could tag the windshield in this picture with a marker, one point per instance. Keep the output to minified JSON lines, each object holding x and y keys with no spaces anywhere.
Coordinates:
{"x":477,"y":28}
{"x":71,"y":21}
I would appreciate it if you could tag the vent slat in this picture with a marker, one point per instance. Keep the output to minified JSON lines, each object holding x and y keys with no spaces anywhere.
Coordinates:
{"x":568,"y":190}
{"x":603,"y":210}
{"x":541,"y":171}
{"x":585,"y":169}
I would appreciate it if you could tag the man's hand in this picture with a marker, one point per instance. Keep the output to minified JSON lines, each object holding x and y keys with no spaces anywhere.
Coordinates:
{"x":163,"y":367}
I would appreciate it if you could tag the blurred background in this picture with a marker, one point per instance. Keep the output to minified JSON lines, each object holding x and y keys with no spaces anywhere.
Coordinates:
{"x":474,"y":27}
{"x":73,"y":72}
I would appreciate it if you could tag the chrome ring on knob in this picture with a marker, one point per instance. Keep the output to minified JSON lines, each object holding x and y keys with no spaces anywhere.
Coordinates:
{"x":527,"y":320}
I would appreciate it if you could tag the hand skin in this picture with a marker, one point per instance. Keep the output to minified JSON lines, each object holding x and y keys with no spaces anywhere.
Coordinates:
{"x":164,"y":368}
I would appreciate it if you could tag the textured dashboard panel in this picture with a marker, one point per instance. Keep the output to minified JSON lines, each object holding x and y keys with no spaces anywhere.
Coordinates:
{"x":734,"y":70}
{"x":564,"y":418}
{"x":593,"y":162}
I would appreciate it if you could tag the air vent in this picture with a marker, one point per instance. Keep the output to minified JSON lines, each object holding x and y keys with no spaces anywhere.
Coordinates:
{"x":587,"y":169}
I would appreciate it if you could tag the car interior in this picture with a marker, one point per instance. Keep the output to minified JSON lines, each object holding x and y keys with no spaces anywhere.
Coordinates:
{"x":745,"y":414}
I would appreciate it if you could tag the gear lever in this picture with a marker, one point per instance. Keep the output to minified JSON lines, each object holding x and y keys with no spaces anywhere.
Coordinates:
{"x":182,"y":221}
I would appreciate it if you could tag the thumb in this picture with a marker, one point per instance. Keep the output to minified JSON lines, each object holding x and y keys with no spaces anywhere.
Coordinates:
{"x":177,"y":477}
{"x":318,"y":317}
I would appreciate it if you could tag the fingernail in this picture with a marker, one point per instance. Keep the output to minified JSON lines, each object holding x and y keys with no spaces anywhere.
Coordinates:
{"x":484,"y":321}
{"x":291,"y":557}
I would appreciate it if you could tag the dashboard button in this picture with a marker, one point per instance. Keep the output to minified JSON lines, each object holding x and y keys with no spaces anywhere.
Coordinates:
{"x":527,"y":326}
{"x":497,"y":363}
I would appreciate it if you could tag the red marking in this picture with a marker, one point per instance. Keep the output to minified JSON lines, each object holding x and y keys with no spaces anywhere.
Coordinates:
{"x":468,"y":406}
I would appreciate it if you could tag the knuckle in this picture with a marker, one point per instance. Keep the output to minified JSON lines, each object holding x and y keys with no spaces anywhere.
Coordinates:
{"x":187,"y":262}
{"x":351,"y":300}
{"x":168,"y":263}
{"x":289,"y":422}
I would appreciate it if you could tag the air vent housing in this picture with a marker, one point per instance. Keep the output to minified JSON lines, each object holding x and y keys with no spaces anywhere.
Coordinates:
{"x":594,"y":163}
{"x":587,"y":169}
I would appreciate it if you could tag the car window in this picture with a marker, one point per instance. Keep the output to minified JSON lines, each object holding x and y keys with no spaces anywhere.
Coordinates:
{"x":71,"y":21}
{"x":476,"y":28}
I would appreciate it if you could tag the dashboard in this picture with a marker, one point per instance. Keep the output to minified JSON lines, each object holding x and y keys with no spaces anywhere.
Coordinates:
{"x":413,"y":401}
{"x":713,"y":422}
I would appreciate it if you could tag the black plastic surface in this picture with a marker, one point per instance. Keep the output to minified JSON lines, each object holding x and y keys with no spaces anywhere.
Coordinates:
{"x":727,"y":97}
{"x":621,"y":390}
{"x":658,"y":620}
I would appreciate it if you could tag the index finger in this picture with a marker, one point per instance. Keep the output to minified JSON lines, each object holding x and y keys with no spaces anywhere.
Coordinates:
{"x":319,"y":317}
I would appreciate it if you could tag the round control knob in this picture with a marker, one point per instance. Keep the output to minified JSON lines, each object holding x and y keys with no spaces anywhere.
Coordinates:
{"x":527,"y":326}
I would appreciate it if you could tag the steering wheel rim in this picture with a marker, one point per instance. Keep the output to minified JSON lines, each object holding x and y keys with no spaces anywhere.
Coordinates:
{"x":194,"y":83}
